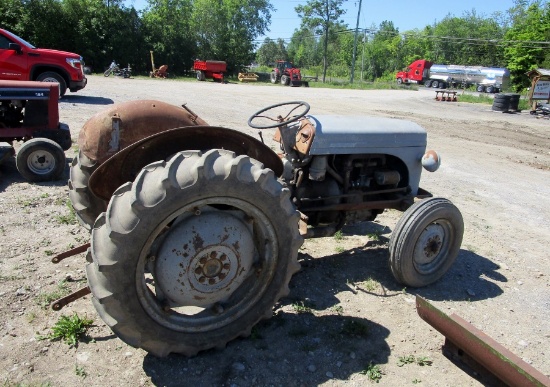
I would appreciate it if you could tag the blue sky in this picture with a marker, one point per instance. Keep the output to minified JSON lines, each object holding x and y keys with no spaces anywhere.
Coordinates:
{"x":405,"y":15}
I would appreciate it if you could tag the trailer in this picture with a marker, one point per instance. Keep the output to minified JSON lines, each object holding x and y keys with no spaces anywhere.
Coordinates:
{"x":437,"y":76}
{"x":214,"y":69}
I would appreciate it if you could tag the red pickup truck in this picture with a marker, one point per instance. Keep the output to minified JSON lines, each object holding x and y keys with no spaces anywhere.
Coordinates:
{"x":21,"y":61}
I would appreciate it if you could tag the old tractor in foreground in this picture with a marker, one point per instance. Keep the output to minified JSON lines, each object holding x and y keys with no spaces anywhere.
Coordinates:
{"x":195,"y":229}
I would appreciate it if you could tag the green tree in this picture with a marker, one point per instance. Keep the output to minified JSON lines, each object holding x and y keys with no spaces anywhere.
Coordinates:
{"x":168,"y":31}
{"x":526,"y":44}
{"x":225,"y":30}
{"x":321,"y":16}
{"x":271,"y":51}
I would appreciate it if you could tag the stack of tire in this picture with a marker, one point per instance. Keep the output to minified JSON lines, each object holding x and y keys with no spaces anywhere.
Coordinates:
{"x":506,"y":102}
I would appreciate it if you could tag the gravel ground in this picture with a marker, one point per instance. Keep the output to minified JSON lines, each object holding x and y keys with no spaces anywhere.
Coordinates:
{"x":345,"y":310}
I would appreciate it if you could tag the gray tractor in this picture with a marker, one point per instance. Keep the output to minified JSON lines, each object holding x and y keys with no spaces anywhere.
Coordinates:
{"x":195,"y":229}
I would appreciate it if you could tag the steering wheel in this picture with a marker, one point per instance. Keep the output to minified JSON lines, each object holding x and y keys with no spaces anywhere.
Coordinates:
{"x":280,"y":120}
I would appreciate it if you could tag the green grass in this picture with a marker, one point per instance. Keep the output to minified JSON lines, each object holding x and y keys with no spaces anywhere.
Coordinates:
{"x":339,"y":235}
{"x":80,"y":371}
{"x":369,"y":285}
{"x":411,"y":359}
{"x":488,"y":100}
{"x":373,"y":372}
{"x":69,"y":329}
{"x":339,"y":249}
{"x":300,"y":307}
{"x":45,"y":299}
{"x":69,"y":218}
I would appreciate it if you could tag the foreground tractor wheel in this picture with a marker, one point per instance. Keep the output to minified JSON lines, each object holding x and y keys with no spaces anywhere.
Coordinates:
{"x":87,"y":206}
{"x":193,"y":253}
{"x":425,"y":242}
{"x":40,"y":159}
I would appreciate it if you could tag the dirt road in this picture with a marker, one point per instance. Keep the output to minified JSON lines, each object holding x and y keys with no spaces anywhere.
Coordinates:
{"x":496,"y":169}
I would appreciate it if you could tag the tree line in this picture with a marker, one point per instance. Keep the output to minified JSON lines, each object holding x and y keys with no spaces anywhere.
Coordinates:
{"x":179,"y":31}
{"x":518,"y":39}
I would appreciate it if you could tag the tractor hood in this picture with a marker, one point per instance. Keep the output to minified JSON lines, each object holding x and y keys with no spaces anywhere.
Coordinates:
{"x":360,"y":134}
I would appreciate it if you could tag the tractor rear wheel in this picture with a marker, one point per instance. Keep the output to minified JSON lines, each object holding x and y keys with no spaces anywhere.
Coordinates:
{"x":87,"y":206}
{"x":425,"y":242}
{"x":194,"y":252}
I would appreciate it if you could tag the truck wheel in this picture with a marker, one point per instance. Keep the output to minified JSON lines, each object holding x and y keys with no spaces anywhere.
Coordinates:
{"x":87,"y":206}
{"x":194,"y":252}
{"x":285,"y":80}
{"x":200,"y":76}
{"x":40,"y":159}
{"x":425,"y":242}
{"x":50,"y":76}
{"x":490,"y":89}
{"x":480,"y":88}
{"x":435,"y":84}
{"x":399,"y":81}
{"x":428,"y":84}
{"x":273,"y":77}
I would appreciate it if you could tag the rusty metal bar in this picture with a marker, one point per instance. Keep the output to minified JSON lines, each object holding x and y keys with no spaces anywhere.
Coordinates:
{"x":482,"y":349}
{"x":58,"y":304}
{"x":69,"y":253}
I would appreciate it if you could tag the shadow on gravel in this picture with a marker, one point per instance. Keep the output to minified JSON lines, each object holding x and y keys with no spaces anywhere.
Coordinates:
{"x":348,"y":344}
{"x":10,"y":175}
{"x":471,"y":278}
{"x":85,"y":99}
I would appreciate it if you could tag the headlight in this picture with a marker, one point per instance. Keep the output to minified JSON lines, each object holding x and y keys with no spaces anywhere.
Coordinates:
{"x":76,"y":63}
{"x":431,"y":161}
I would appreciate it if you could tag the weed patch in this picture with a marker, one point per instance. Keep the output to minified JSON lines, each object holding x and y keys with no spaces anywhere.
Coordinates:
{"x":68,"y":329}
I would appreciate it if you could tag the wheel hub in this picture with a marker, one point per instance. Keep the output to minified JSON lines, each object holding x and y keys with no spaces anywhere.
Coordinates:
{"x":204,"y":258}
{"x":40,"y":162}
{"x":429,"y":244}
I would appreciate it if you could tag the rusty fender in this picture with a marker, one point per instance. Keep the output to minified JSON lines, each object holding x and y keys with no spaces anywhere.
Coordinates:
{"x":480,"y":348}
{"x":126,"y":164}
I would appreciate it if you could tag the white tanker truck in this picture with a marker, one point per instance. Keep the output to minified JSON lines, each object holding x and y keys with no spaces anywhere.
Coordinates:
{"x":485,"y":79}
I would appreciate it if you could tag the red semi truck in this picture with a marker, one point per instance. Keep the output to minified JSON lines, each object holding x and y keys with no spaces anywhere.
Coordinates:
{"x":485,"y":79}
{"x":21,"y":61}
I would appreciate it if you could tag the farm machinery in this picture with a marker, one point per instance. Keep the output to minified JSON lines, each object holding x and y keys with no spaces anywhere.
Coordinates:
{"x":287,"y":74}
{"x":214,"y":69}
{"x":161,"y":72}
{"x":195,"y":229}
{"x":29,"y":112}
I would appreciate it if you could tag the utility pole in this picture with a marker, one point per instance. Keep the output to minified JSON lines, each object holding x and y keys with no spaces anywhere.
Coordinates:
{"x":355,"y":43}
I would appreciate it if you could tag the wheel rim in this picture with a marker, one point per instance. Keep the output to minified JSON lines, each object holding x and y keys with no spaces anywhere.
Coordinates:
{"x":41,"y":162}
{"x":207,"y":265}
{"x":50,"y":79}
{"x":432,"y":247}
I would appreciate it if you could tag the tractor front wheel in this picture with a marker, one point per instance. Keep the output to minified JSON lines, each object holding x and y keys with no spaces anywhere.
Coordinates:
{"x":425,"y":242}
{"x":194,"y":252}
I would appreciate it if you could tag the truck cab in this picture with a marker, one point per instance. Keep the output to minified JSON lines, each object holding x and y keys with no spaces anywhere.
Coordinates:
{"x":21,"y":61}
{"x":417,"y":72}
